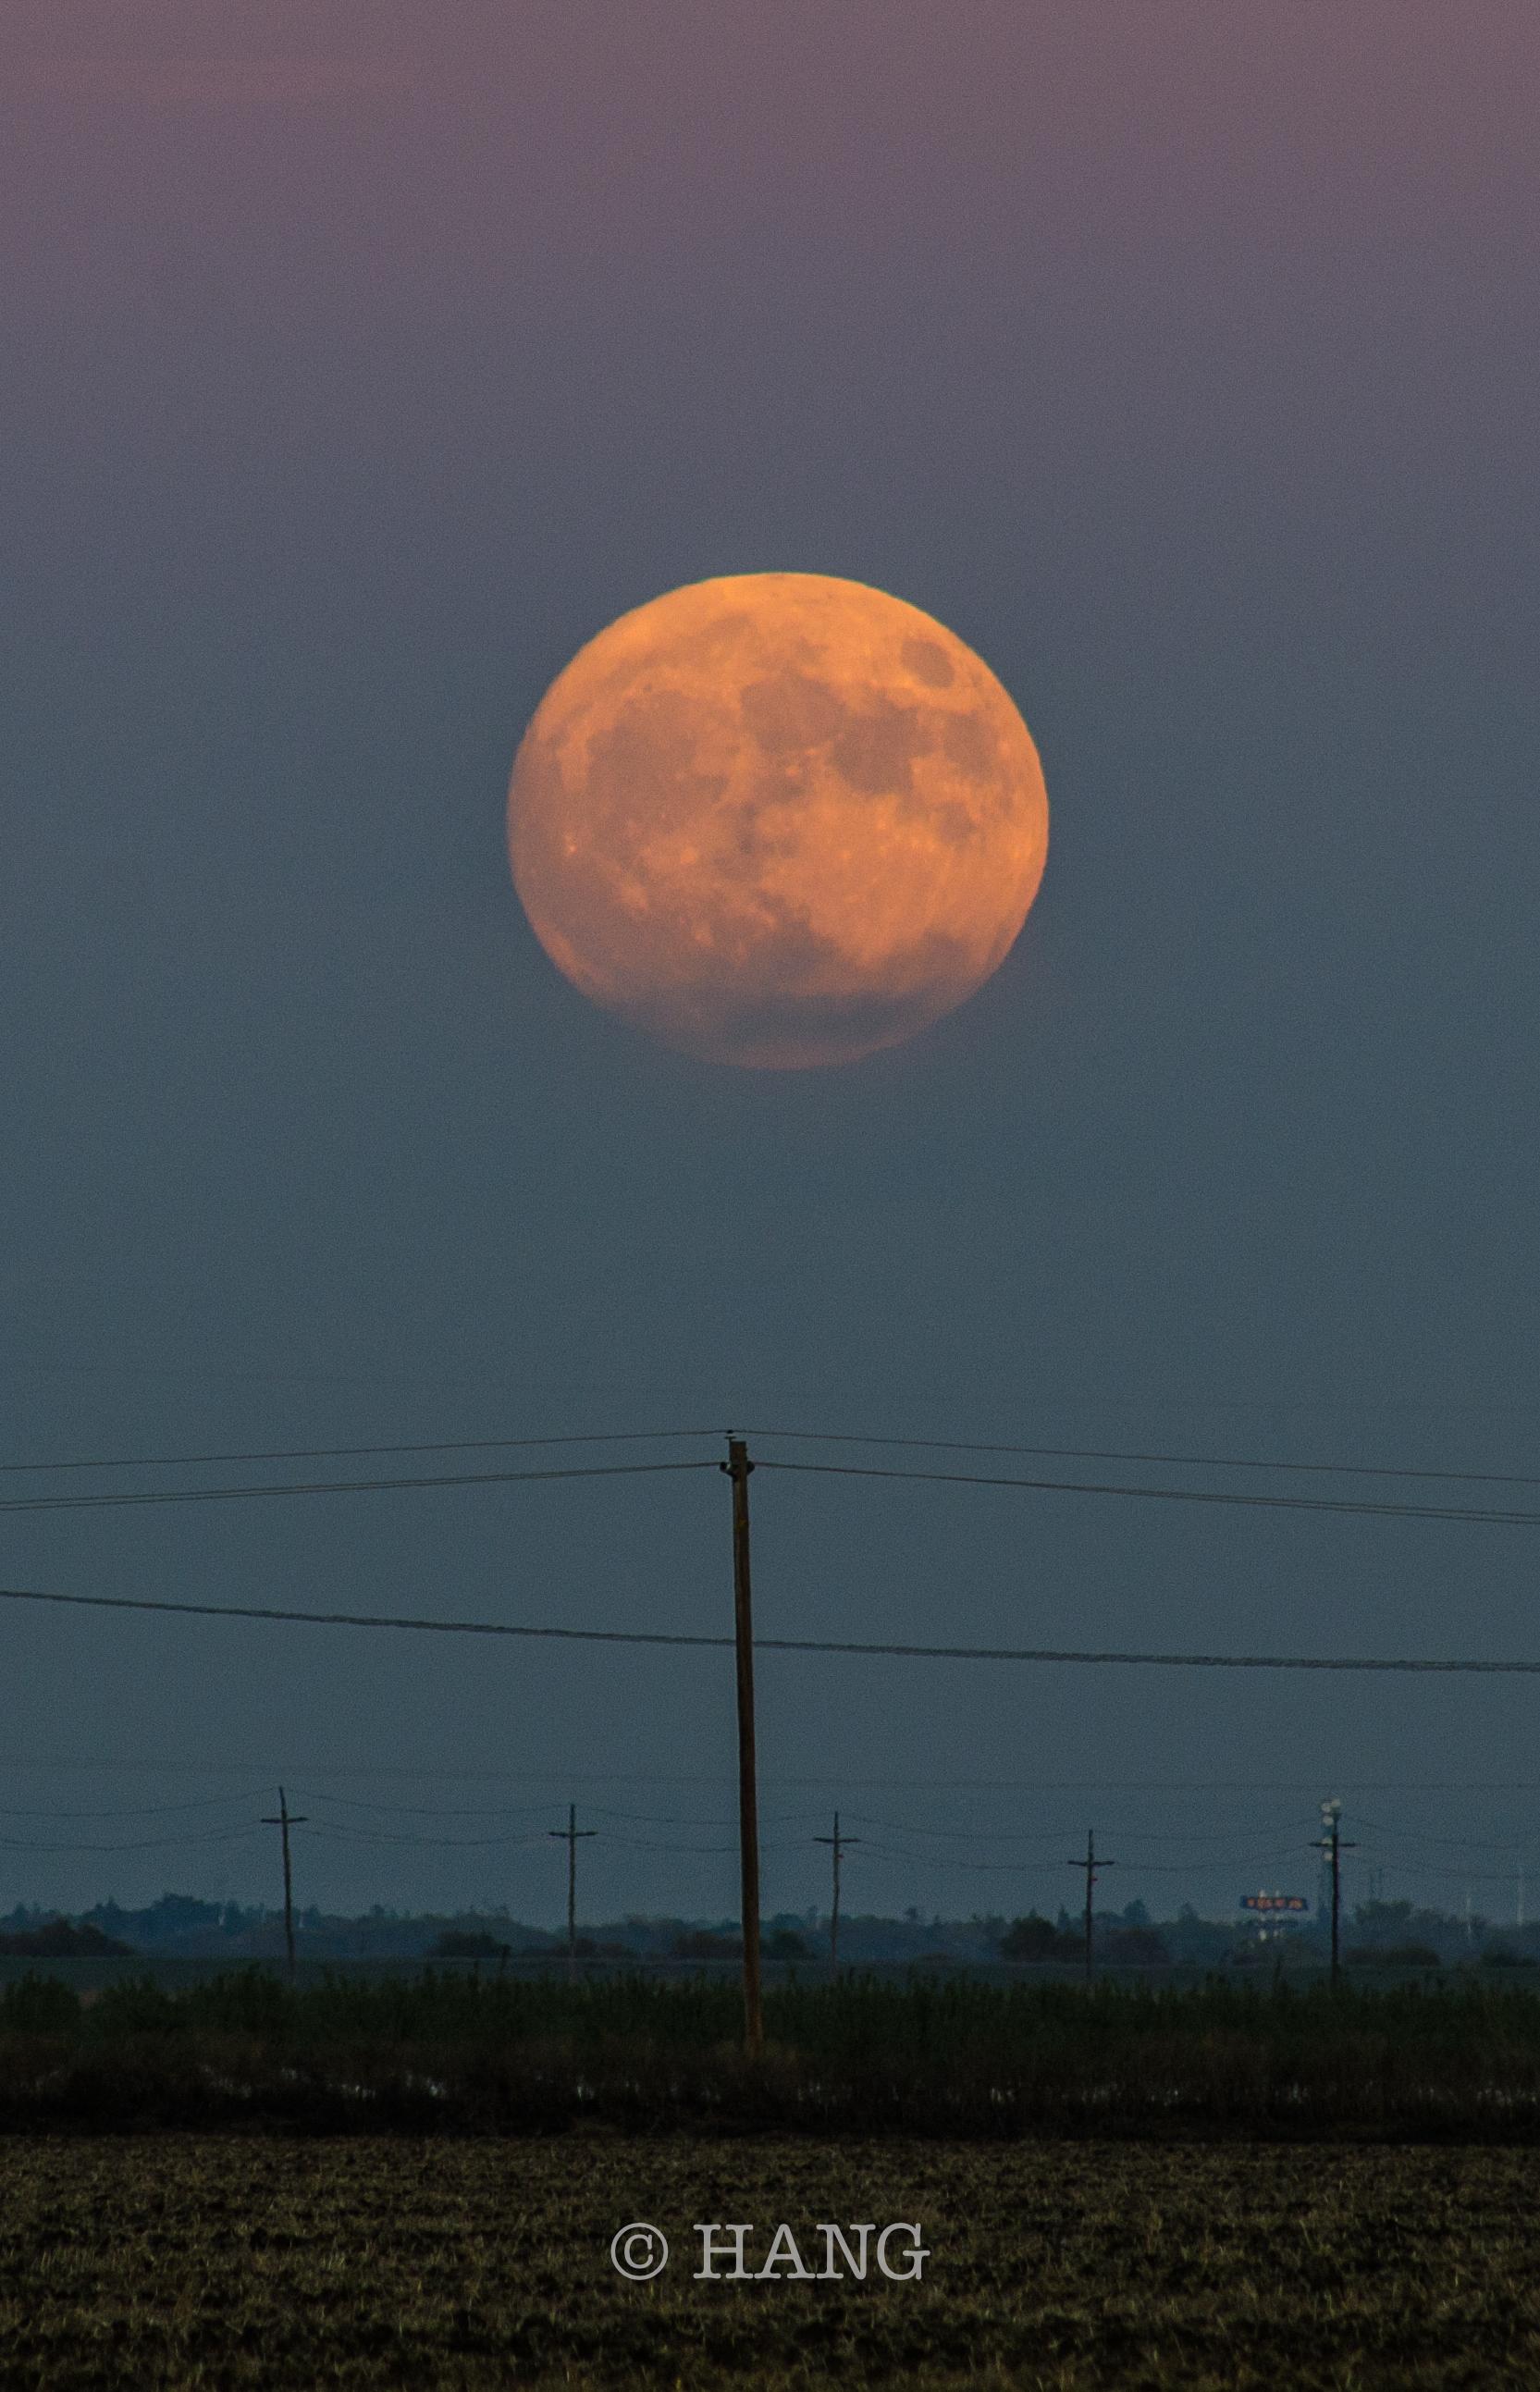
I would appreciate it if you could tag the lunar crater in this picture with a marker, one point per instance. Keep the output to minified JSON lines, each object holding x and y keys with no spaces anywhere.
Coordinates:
{"x":778,"y":820}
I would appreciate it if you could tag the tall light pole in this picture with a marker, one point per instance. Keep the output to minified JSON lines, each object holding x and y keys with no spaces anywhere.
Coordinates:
{"x":1330,"y":1841}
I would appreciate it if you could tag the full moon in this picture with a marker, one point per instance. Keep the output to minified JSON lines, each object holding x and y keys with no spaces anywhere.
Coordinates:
{"x":777,"y":820}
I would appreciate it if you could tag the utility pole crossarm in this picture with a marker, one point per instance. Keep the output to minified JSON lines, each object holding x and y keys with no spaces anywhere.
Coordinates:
{"x":572,"y":1834}
{"x":839,"y":1844}
{"x":285,"y":1820}
{"x":1091,"y":1867}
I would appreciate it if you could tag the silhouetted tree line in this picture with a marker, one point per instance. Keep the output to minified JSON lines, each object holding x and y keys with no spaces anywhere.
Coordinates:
{"x":1381,"y":1933}
{"x":59,"y":1940}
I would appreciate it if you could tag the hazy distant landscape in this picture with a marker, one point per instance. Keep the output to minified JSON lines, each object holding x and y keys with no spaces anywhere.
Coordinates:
{"x":1374,"y":1935}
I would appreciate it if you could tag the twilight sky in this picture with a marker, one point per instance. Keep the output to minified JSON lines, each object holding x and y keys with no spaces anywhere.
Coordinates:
{"x":1181,"y":358}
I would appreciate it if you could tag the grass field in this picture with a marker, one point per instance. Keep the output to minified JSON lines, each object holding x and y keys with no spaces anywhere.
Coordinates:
{"x":192,"y":2263}
{"x":454,"y":2055}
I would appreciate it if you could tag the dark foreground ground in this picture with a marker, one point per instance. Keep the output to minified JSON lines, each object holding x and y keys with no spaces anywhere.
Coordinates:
{"x":187,"y":2261}
{"x":961,"y":2061}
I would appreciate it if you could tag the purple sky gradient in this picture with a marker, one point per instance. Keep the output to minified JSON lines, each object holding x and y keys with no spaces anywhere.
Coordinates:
{"x":365,"y":360}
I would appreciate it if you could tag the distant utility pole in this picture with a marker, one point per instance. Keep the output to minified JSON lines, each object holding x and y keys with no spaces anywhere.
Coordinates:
{"x":738,"y":1467}
{"x":1091,"y":1867}
{"x":286,"y":1820}
{"x":1330,"y":1841}
{"x":572,"y":1836}
{"x":839,"y":1844}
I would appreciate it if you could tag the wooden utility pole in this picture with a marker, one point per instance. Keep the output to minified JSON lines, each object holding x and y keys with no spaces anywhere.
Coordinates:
{"x":286,"y":1819}
{"x":1092,"y":1866}
{"x":1332,"y":1842}
{"x":572,"y":1836}
{"x":839,"y":1844}
{"x":738,"y":1466}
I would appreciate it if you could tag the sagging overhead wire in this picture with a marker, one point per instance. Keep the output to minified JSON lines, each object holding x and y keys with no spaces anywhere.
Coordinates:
{"x":1330,"y":1662}
{"x":1466,"y":1514}
{"x":147,"y":1844}
{"x":339,"y":1486}
{"x":1485,"y":1516}
{"x":356,"y":1452}
{"x":1166,"y":1460}
{"x":796,"y":1436}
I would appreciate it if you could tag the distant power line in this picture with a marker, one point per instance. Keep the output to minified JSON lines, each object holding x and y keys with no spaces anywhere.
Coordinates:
{"x":357,"y":1452}
{"x":799,"y":1436}
{"x":149,"y":1844}
{"x":775,"y":1643}
{"x":1172,"y":1461}
{"x":338,"y":1487}
{"x":1467,"y":1514}
{"x":562,"y":1773}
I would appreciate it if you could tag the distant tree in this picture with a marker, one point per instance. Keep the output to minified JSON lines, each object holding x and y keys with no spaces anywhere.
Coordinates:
{"x":785,"y":1943}
{"x":60,"y":1941}
{"x":1135,"y":1914}
{"x":1035,"y":1938}
{"x":1389,"y":1924}
{"x":174,"y":1914}
{"x":1382,"y":1922}
{"x":699,"y":1944}
{"x":460,"y":1945}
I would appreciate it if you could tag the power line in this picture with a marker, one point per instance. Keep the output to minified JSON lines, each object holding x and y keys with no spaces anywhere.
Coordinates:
{"x":135,"y":1810}
{"x":641,"y":1844}
{"x":356,"y":1452}
{"x":1488,"y":1518}
{"x":494,"y":1811}
{"x":427,"y":1810}
{"x":561,"y":1772}
{"x":942,"y":1865}
{"x":1460,"y":1876}
{"x":150,"y":1845}
{"x":1030,"y":1836}
{"x":337,"y":1486}
{"x":1178,"y":1460}
{"x":339,"y":1833}
{"x":775,"y":1643}
{"x":1422,"y":1837}
{"x":1465,"y":1515}
{"x":645,"y":1818}
{"x":800,"y":1436}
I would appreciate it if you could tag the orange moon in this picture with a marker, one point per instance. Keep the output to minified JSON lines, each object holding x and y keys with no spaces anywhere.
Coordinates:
{"x":777,"y":819}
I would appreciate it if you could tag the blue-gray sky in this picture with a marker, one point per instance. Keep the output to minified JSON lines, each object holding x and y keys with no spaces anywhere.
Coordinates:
{"x":1182,"y":360}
